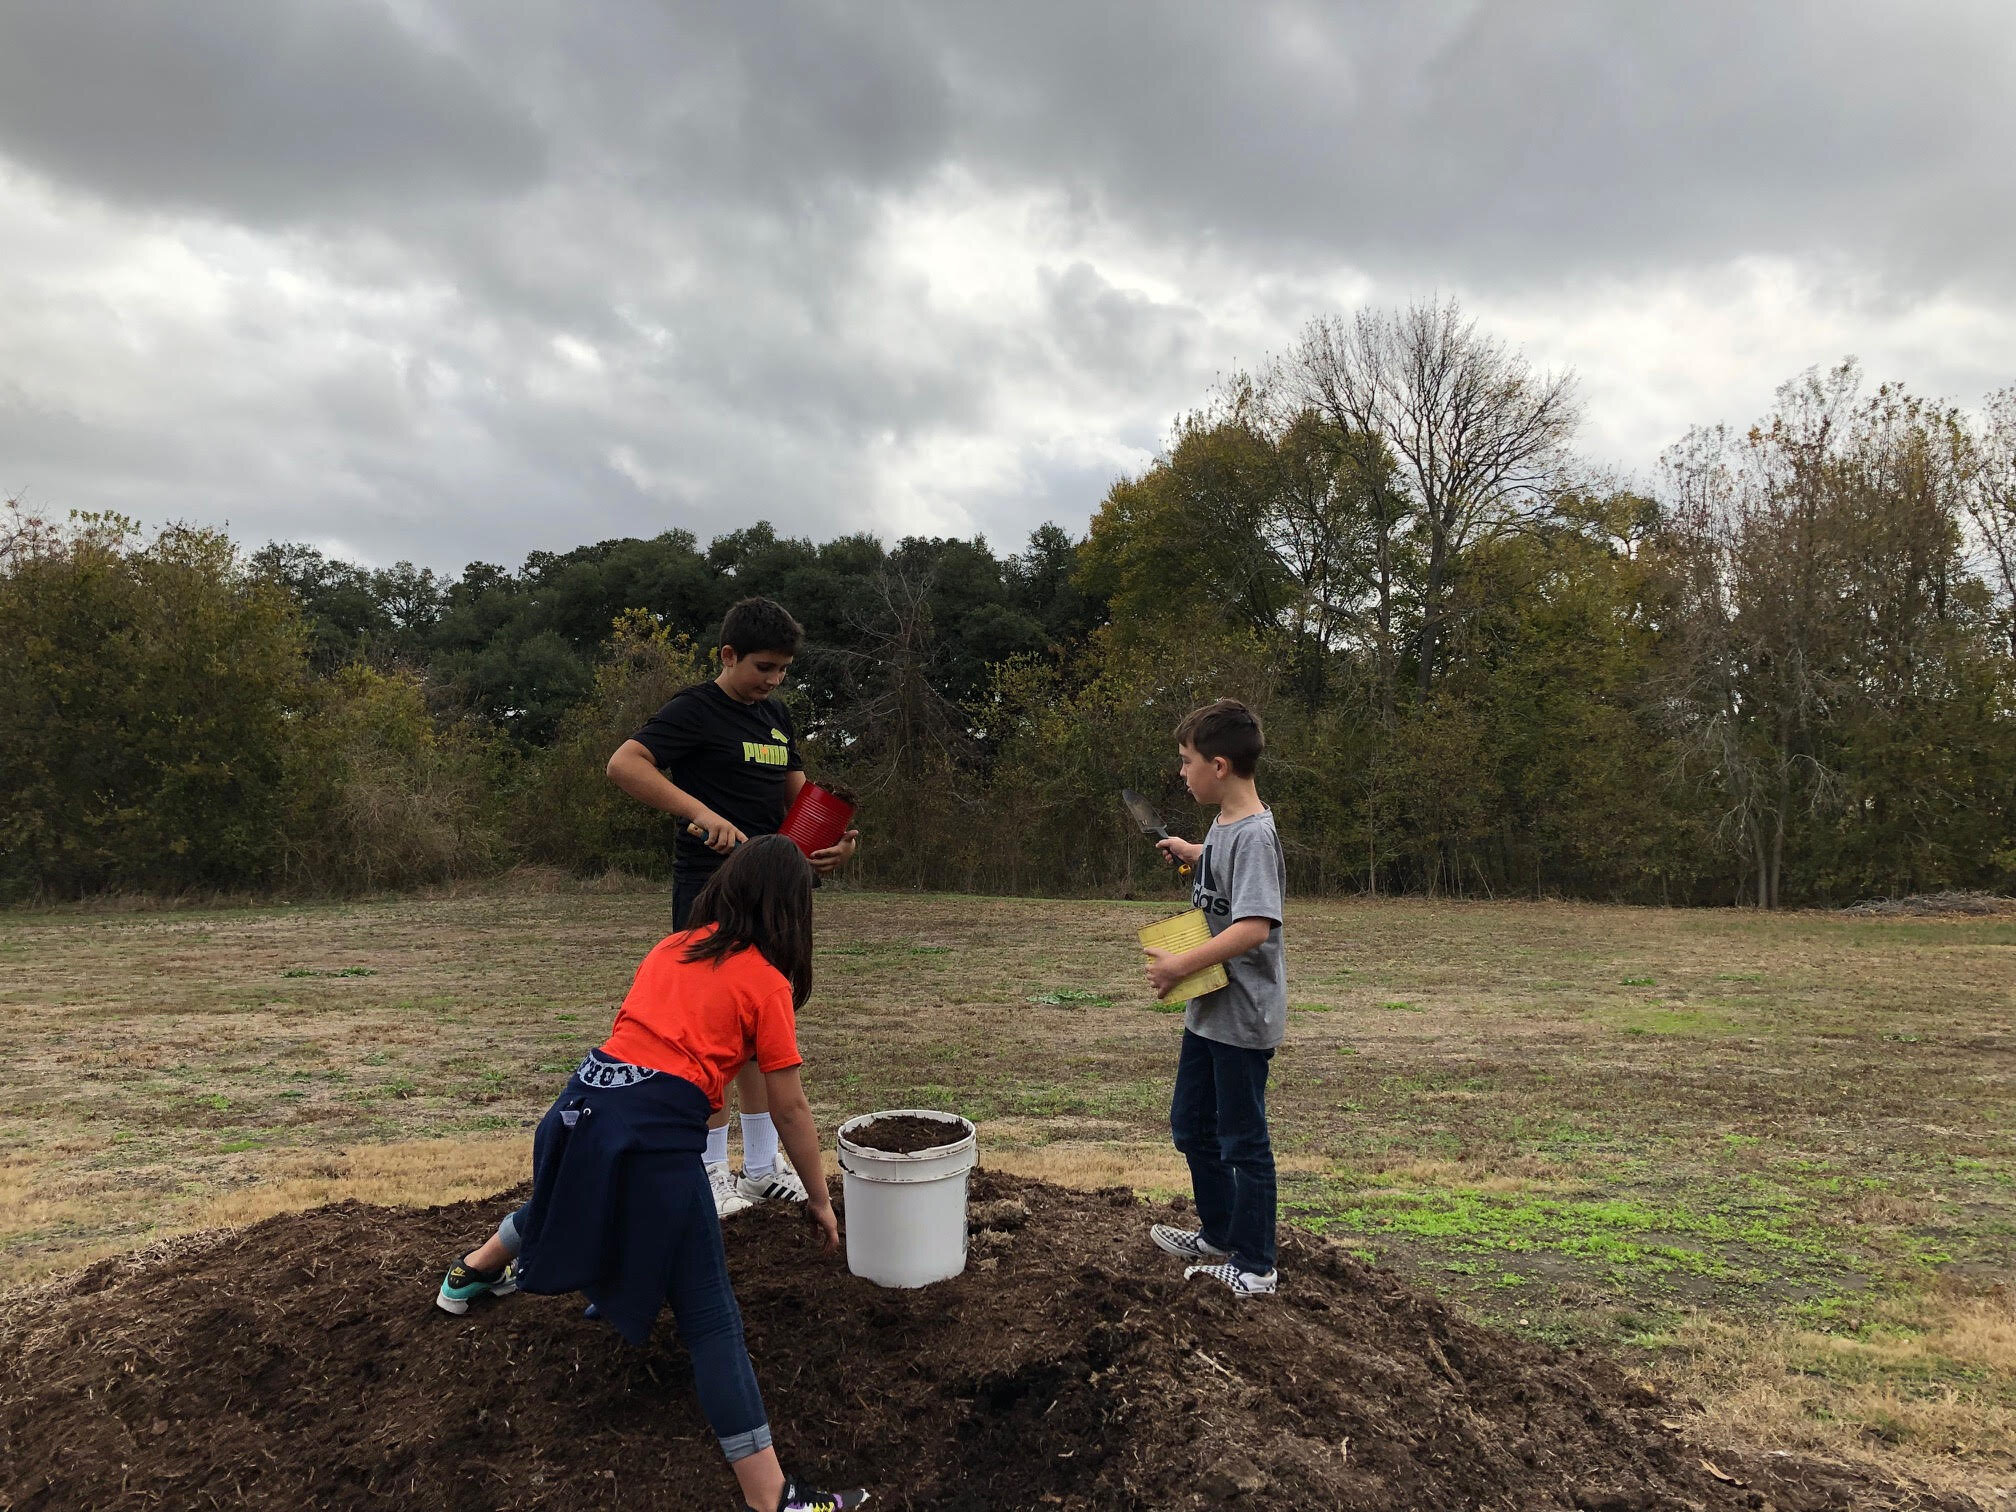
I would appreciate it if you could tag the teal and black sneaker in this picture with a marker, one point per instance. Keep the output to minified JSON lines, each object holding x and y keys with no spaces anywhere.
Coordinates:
{"x":462,"y":1285}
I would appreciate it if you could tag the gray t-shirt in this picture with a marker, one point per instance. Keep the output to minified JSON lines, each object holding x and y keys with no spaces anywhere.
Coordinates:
{"x":1242,"y":875}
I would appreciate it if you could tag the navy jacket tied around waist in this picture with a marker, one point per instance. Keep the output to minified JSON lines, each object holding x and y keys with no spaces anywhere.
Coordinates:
{"x":616,"y":1177}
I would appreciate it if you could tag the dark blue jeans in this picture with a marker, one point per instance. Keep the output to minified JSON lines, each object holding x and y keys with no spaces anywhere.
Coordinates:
{"x":703,"y":1302}
{"x":684,"y":890}
{"x":1218,"y":1116}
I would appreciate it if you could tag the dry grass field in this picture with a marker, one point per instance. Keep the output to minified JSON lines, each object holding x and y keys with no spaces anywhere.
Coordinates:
{"x":1771,"y":1161}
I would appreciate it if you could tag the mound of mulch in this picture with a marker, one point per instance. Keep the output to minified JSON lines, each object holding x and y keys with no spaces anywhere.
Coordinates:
{"x":302,"y":1363}
{"x":1934,"y":905}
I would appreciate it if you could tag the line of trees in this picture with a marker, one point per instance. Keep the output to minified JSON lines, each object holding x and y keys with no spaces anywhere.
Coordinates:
{"x":1784,"y":673}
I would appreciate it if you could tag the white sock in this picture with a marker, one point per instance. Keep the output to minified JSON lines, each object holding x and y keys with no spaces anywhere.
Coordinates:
{"x":759,"y":1144}
{"x":717,"y":1146}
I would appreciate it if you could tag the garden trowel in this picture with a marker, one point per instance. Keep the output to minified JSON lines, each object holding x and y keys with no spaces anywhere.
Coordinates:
{"x":1150,"y":822}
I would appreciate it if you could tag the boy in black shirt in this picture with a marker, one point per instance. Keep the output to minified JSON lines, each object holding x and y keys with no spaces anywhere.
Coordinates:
{"x":722,"y":757}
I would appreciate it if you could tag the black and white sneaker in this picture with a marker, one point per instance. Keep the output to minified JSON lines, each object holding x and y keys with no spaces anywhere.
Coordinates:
{"x":796,"y":1499}
{"x":1187,"y":1244}
{"x":778,"y":1184}
{"x":1244,"y":1283}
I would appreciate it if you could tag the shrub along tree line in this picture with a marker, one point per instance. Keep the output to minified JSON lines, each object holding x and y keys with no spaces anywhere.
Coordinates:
{"x":1783,"y":674}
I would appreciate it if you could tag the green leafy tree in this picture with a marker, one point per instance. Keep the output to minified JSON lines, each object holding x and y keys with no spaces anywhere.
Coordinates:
{"x":563,"y":809}
{"x":145,"y":700}
{"x":379,"y":794}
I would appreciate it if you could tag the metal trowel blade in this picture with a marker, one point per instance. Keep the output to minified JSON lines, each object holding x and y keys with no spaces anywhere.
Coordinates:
{"x":1144,"y":814}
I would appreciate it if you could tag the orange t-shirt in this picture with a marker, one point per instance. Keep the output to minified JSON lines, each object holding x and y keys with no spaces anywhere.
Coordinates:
{"x":700,"y":1020}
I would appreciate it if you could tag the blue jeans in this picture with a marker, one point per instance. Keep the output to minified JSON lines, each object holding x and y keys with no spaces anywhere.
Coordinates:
{"x":684,"y":890}
{"x":703,"y":1305}
{"x":1218,"y":1116}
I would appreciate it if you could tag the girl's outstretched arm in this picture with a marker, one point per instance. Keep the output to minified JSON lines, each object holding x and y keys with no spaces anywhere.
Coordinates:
{"x":800,"y":1137}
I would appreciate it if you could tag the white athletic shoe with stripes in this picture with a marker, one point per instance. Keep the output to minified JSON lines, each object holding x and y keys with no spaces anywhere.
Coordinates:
{"x":779,"y":1184}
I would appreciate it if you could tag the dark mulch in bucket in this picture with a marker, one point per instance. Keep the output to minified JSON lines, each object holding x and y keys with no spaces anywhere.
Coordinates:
{"x":906,"y":1134}
{"x":301,"y":1362}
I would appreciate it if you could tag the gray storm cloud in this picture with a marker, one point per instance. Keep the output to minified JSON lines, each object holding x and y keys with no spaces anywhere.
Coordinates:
{"x":460,"y":281}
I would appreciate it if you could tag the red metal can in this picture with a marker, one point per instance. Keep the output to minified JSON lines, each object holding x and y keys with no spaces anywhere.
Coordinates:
{"x":817,"y":819}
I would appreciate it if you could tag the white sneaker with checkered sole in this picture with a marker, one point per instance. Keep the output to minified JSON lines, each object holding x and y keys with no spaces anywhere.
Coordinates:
{"x":1186,"y":1244}
{"x":1244,"y":1283}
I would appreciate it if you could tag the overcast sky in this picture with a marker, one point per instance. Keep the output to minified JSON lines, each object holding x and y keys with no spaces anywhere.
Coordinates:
{"x":453,"y":281}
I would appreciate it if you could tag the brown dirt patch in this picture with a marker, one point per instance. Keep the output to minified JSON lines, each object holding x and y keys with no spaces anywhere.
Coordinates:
{"x":301,"y":1362}
{"x":905,"y":1134}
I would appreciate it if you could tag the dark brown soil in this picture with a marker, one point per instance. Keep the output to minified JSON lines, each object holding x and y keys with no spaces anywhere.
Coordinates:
{"x":906,"y":1134}
{"x":301,"y":1363}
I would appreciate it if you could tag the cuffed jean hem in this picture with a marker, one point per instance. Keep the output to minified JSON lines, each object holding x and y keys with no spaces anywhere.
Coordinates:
{"x":739,"y":1446}
{"x":510,"y":1235}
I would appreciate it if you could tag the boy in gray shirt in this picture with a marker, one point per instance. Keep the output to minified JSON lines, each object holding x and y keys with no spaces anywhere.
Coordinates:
{"x":1218,"y":1112}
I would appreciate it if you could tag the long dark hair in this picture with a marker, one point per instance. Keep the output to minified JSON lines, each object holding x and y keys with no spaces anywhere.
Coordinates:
{"x":761,"y":896}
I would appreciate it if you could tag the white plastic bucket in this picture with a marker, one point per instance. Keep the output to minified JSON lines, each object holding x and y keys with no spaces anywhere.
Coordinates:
{"x":906,"y":1214}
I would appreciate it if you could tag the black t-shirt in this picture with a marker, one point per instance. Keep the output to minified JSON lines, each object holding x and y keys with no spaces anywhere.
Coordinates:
{"x":734,"y":757}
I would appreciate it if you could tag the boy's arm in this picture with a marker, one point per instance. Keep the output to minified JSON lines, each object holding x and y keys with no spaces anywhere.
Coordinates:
{"x":1254,"y":883}
{"x":1168,"y":967}
{"x":834,"y":856}
{"x":635,"y":771}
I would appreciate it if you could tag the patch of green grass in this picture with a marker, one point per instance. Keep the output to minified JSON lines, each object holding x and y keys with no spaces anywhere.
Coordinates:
{"x":1634,"y":982}
{"x":1159,"y":1007}
{"x":1397,"y":1006}
{"x":1136,"y":1099}
{"x":1671,"y":1021}
{"x":1627,"y":1240}
{"x":340,"y":971}
{"x":1065,"y":997}
{"x":239,"y":1146}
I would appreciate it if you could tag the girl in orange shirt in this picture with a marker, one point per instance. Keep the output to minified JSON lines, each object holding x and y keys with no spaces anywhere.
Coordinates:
{"x":627,"y":1136}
